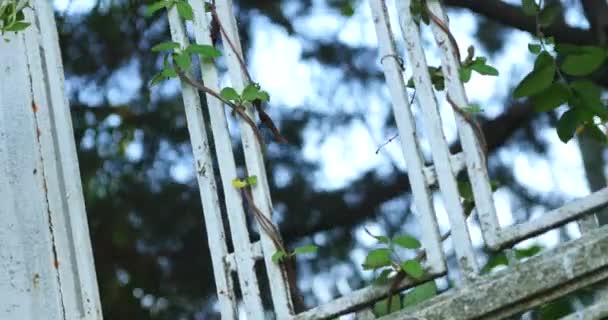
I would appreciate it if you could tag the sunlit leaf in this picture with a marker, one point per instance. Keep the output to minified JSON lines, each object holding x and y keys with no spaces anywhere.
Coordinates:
{"x":413,"y":268}
{"x":381,"y":307}
{"x":420,"y":293}
{"x":183,"y":61}
{"x":206,"y":51}
{"x":230,"y":94}
{"x":185,"y":10}
{"x":406,"y":241}
{"x":377,"y":258}
{"x":165,"y":46}
{"x":278,"y":256}
{"x":306,"y":249}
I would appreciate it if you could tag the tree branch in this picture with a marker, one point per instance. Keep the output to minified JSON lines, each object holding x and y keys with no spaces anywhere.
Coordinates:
{"x":340,"y":215}
{"x":512,"y":16}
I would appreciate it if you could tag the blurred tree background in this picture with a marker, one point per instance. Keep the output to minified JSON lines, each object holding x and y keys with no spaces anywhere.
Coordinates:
{"x":328,"y":182}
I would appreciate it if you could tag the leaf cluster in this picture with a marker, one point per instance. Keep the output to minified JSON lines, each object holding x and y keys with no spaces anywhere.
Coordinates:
{"x":12,"y":18}
{"x":561,"y":77}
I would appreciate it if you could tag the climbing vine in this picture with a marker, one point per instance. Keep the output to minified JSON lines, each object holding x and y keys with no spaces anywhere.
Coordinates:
{"x":177,"y":62}
{"x":12,"y":18}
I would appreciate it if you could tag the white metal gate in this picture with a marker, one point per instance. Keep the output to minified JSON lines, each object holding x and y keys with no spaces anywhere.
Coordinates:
{"x":37,"y":116}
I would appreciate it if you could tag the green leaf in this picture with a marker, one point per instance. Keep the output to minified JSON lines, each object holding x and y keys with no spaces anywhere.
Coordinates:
{"x":472,"y":108}
{"x":382,"y":278}
{"x":164,"y":46}
{"x":206,"y":51}
{"x":585,"y":62}
{"x":548,"y":14}
{"x":18,"y":26}
{"x":346,"y":9}
{"x":183,"y":61}
{"x":250,"y":93}
{"x":252,"y":180}
{"x":247,"y":182}
{"x":263,"y":96}
{"x":528,"y":252}
{"x":567,"y":125}
{"x":278,"y":256}
{"x":306,"y":249}
{"x":593,"y":132}
{"x":377,"y":258}
{"x":406,"y":241}
{"x":419,"y":294}
{"x":169,"y":72}
{"x":230,"y":94}
{"x":534,"y":48}
{"x":481,"y":67}
{"x":413,"y":268}
{"x":465,"y":73}
{"x":589,"y":96}
{"x":381,"y":307}
{"x":551,"y":98}
{"x":465,"y":190}
{"x":529,"y":7}
{"x":539,"y":79}
{"x":151,"y":9}
{"x":381,"y":239}
{"x":498,"y":259}
{"x":158,"y":78}
{"x":185,"y":10}
{"x":239,"y":184}
{"x":437,"y":78}
{"x":566,"y":48}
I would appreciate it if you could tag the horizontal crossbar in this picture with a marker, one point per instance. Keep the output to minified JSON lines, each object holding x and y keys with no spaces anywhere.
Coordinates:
{"x":555,"y":273}
{"x":569,"y":212}
{"x":256,"y":252}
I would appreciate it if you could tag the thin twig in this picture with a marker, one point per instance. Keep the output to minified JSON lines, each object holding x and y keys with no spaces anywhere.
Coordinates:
{"x":396,"y":134}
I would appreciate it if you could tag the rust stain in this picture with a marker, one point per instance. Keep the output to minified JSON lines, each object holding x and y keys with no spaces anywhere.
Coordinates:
{"x":56,"y":263}
{"x":34,"y":107}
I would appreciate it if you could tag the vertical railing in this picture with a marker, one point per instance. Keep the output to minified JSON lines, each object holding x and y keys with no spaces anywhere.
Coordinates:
{"x":47,"y":269}
{"x":440,"y":150}
{"x":245,"y":254}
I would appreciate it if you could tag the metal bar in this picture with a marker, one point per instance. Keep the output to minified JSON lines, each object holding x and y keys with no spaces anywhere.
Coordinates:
{"x":423,"y":201}
{"x":208,"y":191}
{"x":440,"y":151}
{"x":254,"y":159}
{"x":473,"y":151}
